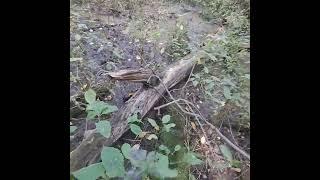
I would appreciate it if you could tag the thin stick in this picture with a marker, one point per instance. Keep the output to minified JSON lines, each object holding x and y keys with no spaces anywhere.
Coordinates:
{"x":212,"y":126}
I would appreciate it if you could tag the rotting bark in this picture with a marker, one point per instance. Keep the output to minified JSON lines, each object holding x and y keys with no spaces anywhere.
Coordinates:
{"x":141,"y":102}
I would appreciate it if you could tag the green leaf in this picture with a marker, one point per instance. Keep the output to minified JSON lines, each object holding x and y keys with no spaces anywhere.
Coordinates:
{"x":104,"y":128}
{"x":91,"y":172}
{"x":177,"y":148}
{"x":72,"y":129}
{"x":97,"y":106}
{"x":137,"y":158}
{"x":235,"y":163}
{"x":226,"y":152}
{"x":226,"y":92}
{"x":109,"y":109}
{"x":152,"y":136}
{"x":91,"y":115}
{"x":134,"y":118}
{"x":159,"y":166}
{"x":166,"y":119}
{"x":90,"y":96}
{"x":191,"y":158}
{"x":195,"y":83}
{"x":164,"y":148}
{"x":113,"y":162}
{"x":135,"y":129}
{"x":168,"y":126}
{"x":153,"y":124}
{"x":125,"y":148}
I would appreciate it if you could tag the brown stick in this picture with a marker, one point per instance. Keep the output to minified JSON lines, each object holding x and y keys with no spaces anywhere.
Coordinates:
{"x":88,"y":151}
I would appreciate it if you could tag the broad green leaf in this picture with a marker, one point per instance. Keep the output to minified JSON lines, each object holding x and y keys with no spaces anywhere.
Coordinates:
{"x":159,"y":166}
{"x":138,"y":157}
{"x":91,"y":115}
{"x":109,"y":109}
{"x":90,"y":96}
{"x":235,"y":163}
{"x":191,"y":158}
{"x":125,"y":148}
{"x":104,"y":128}
{"x":168,"y":126}
{"x":91,"y":172}
{"x":226,"y":92}
{"x":135,"y":129}
{"x":134,"y":118}
{"x":97,"y":106}
{"x":226,"y":152}
{"x":152,"y":136}
{"x":177,"y":147}
{"x":72,"y":129}
{"x":113,"y":162}
{"x":153,"y":124}
{"x":164,"y":148}
{"x":165,"y":119}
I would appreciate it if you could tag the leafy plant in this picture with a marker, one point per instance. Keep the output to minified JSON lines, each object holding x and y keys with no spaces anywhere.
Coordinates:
{"x":104,"y":128}
{"x":91,"y":172}
{"x":165,"y":121}
{"x":228,"y":155}
{"x":133,"y":127}
{"x":96,"y":108}
{"x":153,"y":124}
{"x":113,"y":162}
{"x":191,"y":158}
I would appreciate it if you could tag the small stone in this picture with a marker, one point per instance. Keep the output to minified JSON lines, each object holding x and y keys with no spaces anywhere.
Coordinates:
{"x":108,"y":98}
{"x":100,"y":28}
{"x":200,"y":102}
{"x":91,"y":43}
{"x":138,"y":57}
{"x":129,"y":60}
{"x":218,"y":138}
{"x":204,"y":177}
{"x":90,"y":30}
{"x":130,"y":42}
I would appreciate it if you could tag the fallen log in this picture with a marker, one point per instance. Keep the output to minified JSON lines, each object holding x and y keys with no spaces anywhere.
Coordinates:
{"x":88,"y":152}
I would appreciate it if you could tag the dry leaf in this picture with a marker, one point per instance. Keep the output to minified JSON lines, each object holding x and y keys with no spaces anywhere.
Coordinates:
{"x":162,"y":51}
{"x":143,"y":134}
{"x":236,"y":169}
{"x":193,"y":125}
{"x":203,"y":140}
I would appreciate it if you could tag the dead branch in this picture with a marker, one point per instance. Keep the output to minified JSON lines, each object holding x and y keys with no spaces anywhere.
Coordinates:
{"x":201,"y":117}
{"x":88,"y":151}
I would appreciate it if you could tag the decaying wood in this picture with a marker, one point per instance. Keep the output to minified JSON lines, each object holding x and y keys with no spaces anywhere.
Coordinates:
{"x":135,"y":75}
{"x":88,"y":151}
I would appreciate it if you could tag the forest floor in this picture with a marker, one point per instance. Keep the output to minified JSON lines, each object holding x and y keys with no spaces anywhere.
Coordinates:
{"x":112,"y":35}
